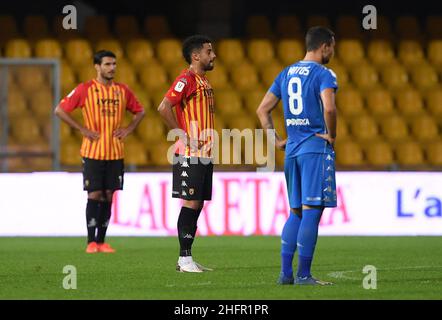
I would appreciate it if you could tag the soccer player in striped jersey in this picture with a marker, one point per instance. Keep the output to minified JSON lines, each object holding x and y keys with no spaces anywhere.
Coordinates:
{"x":191,"y":96}
{"x":103,"y":104}
{"x":307,"y":90}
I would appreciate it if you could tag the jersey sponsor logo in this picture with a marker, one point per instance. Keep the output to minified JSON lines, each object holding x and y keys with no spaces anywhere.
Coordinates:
{"x":313,"y":198}
{"x":179,"y":86}
{"x":297,"y":122}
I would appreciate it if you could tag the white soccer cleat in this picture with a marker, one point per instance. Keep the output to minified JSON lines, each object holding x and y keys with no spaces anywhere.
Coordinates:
{"x":203,"y":268}
{"x":188,"y":267}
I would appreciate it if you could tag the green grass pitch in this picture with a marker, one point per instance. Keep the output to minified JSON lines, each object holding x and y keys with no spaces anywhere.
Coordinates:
{"x":246,"y":268}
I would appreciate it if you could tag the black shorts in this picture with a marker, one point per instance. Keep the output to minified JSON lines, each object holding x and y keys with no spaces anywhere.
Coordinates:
{"x":103,"y":174}
{"x":192,"y":178}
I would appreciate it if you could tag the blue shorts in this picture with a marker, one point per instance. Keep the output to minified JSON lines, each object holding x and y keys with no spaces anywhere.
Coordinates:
{"x":311,"y":180}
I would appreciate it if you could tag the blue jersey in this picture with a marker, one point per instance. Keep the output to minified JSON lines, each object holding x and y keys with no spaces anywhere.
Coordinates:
{"x":300,"y":86}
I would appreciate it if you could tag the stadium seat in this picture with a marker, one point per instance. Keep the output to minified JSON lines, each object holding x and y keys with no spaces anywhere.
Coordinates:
{"x":135,"y":153}
{"x":228,"y":103}
{"x":380,"y":53}
{"x":260,"y":51}
{"x":409,"y":102}
{"x":424,"y":77}
{"x":394,"y":128}
{"x":218,"y":77}
{"x":125,"y":73}
{"x":379,"y":154}
{"x":288,"y":26}
{"x":409,"y":153}
{"x":258,"y":27}
{"x":279,"y":125}
{"x":144,"y":99}
{"x":432,"y":26}
{"x":245,"y":77}
{"x":364,"y":128}
{"x":241,"y":122}
{"x":97,"y":28}
{"x":317,"y":20}
{"x":174,"y":70}
{"x":140,"y":52}
{"x":395,"y":77}
{"x":18,"y":48}
{"x":230,"y":52}
{"x":126,"y":27}
{"x":252,"y":99}
{"x":407,"y":27}
{"x":342,"y":130}
{"x":48,"y":48}
{"x":434,"y":153}
{"x":341,"y":73}
{"x":365,"y":76}
{"x":348,"y":26}
{"x":350,"y":52}
{"x":65,"y":132}
{"x":159,"y":154}
{"x":39,"y":164}
{"x":17,"y":105}
{"x":350,"y":103}
{"x":424,"y":128}
{"x":111,"y":45}
{"x":31,"y":78}
{"x":434,"y":103}
{"x":78,"y":52}
{"x":151,"y":129}
{"x":380,"y":103}
{"x":86,"y":73}
{"x":157,"y":27}
{"x":410,"y":53}
{"x":35,"y":27}
{"x":42,"y":106}
{"x":349,"y":153}
{"x":269,"y":72}
{"x":169,"y":51}
{"x":25,"y":130}
{"x":153,"y":77}
{"x":435,"y":54}
{"x":70,"y":153}
{"x":68,"y":81}
{"x":290,"y":51}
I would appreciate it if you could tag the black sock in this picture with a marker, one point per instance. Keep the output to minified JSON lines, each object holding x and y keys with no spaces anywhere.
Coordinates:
{"x":104,"y":215}
{"x":92,"y":209}
{"x":195,"y":227}
{"x":186,"y":228}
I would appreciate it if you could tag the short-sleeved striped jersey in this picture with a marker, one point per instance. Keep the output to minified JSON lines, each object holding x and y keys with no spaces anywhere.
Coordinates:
{"x":103,"y":108}
{"x":193,"y":97}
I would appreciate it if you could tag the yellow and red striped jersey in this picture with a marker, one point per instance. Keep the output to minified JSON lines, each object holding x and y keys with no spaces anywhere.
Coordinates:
{"x":103,"y":108}
{"x":192,"y":96}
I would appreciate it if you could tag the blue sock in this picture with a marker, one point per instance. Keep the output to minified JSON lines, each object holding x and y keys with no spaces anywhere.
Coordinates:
{"x":288,"y":243}
{"x":307,"y":236}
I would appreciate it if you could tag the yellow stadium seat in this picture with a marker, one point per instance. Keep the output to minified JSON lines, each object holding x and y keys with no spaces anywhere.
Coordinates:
{"x":218,"y":77}
{"x":143,"y":98}
{"x":365,"y":76}
{"x":42,"y":106}
{"x":279,"y":125}
{"x":25,"y":130}
{"x":31,"y":78}
{"x":18,"y":48}
{"x":78,"y":52}
{"x":86,"y":73}
{"x":48,"y":48}
{"x":230,"y":52}
{"x":126,"y":27}
{"x":258,"y":27}
{"x":350,"y":103}
{"x":40,"y":164}
{"x":157,"y":95}
{"x":174,"y":70}
{"x":35,"y":27}
{"x":260,"y":51}
{"x":169,"y":51}
{"x":434,"y":103}
{"x":288,"y":26}
{"x":434,"y":153}
{"x":380,"y":52}
{"x":65,"y":132}
{"x":380,"y":103}
{"x":432,"y":26}
{"x":407,"y":27}
{"x":348,"y":26}
{"x":68,"y":81}
{"x":135,"y":153}
{"x":290,"y":51}
{"x":70,"y":153}
{"x":157,"y":27}
{"x":17,"y":105}
{"x":395,"y":77}
{"x":409,"y":103}
{"x":252,"y":99}
{"x":342,"y":75}
{"x":140,"y":52}
{"x":228,"y":103}
{"x":394,"y":128}
{"x":318,"y":20}
{"x":424,"y":77}
{"x":159,"y":154}
{"x":349,"y":153}
{"x":342,"y":131}
{"x":350,"y":52}
{"x":435,"y":54}
{"x":125,"y":73}
{"x":111,"y":45}
{"x":409,"y":153}
{"x":424,"y":128}
{"x":153,"y":77}
{"x":269,"y":72}
{"x":379,"y":154}
{"x":364,"y":128}
{"x":96,"y":28}
{"x":410,"y":53}
{"x":152,"y":129}
{"x":17,"y":164}
{"x":245,"y":77}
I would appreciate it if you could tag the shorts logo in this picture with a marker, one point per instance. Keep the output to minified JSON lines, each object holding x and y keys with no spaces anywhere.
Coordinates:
{"x":184,"y":174}
{"x":191,"y":191}
{"x":329,"y":158}
{"x":120,"y":178}
{"x":329,"y":179}
{"x":184,"y":193}
{"x":185,"y":165}
{"x":329,"y":168}
{"x":184,"y":184}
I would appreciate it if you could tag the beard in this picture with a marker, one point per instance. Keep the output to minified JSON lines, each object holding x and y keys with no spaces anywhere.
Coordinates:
{"x":108,"y":76}
{"x":209,"y":66}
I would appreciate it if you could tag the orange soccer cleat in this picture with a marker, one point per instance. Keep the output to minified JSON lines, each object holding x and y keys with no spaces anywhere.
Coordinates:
{"x":92,"y":247}
{"x":105,"y":247}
